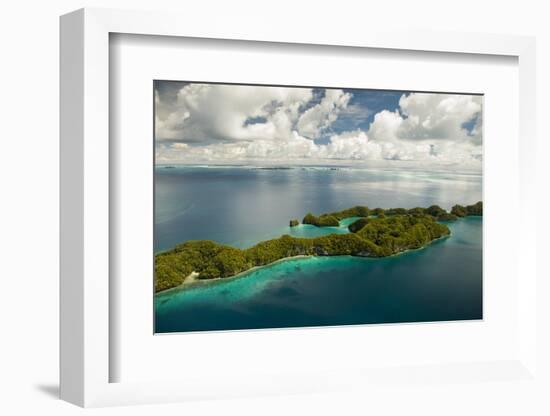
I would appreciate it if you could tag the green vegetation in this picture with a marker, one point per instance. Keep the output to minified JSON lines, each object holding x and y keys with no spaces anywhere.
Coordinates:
{"x":397,"y":233}
{"x":438,"y":213}
{"x":446,"y":217}
{"x":463,"y":211}
{"x":475,"y":209}
{"x":357,"y":225}
{"x":332,"y":219}
{"x":395,"y":211}
{"x":357,"y":211}
{"x":377,"y":233}
{"x":370,"y":237}
{"x":435,"y":211}
{"x":207,"y":258}
{"x":458,"y":210}
{"x":325,"y":220}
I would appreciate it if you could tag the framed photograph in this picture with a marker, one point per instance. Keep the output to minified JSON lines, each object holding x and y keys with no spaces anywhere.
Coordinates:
{"x":271,"y":214}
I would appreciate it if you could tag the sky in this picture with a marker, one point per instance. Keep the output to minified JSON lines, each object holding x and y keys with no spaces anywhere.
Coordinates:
{"x":197,"y":123}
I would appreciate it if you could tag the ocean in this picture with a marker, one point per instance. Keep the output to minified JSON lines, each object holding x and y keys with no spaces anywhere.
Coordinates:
{"x":242,"y":205}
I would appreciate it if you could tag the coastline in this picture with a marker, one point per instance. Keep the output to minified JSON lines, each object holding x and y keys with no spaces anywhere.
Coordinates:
{"x":191,"y":280}
{"x":188,"y":283}
{"x":389,"y":233}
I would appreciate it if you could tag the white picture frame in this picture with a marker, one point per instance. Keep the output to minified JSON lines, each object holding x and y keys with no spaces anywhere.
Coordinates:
{"x":85,"y":205}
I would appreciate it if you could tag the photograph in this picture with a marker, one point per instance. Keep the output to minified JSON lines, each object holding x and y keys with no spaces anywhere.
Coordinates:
{"x":308,"y":206}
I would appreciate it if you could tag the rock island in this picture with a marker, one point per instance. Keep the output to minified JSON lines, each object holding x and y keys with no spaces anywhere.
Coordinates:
{"x":376,"y":233}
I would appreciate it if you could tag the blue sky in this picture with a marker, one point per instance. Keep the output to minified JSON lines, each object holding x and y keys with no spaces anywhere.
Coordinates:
{"x":239,"y":123}
{"x":368,"y":103}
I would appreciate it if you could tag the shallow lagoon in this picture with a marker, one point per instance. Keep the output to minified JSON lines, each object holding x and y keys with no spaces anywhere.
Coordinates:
{"x":440,"y":282}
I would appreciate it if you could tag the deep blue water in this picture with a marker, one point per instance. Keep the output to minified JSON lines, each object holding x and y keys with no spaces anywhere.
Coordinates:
{"x":241,"y":206}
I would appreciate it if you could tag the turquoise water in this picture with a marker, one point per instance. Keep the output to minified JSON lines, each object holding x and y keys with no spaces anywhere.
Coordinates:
{"x":310,"y":231}
{"x":442,"y":282}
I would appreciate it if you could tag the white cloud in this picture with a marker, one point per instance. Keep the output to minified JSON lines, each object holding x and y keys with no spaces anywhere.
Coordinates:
{"x":353,"y":145}
{"x":221,"y":123}
{"x":429,"y":127}
{"x":179,"y":145}
{"x":386,"y":125}
{"x":426,"y":116}
{"x":204,"y":113}
{"x":319,"y":117}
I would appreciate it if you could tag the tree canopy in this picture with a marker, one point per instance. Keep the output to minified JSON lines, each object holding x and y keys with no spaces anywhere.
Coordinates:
{"x":369,"y":237}
{"x":377,"y":233}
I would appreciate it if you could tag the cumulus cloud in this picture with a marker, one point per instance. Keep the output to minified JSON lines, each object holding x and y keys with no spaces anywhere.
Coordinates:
{"x":205,"y":113}
{"x":319,"y":117}
{"x":202,"y":123}
{"x":431,"y":127}
{"x":353,"y":146}
{"x":424,"y":116}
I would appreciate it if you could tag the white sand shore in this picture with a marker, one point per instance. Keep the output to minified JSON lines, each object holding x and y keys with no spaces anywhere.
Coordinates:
{"x":191,"y":277}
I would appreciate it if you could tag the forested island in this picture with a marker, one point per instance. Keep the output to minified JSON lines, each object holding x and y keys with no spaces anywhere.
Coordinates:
{"x":376,"y":233}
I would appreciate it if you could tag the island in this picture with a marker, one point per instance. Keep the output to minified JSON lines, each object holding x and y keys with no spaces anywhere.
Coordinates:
{"x":376,"y":233}
{"x":461,"y":211}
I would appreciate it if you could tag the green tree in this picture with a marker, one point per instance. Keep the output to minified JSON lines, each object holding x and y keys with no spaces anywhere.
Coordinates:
{"x":458,"y":210}
{"x":475,"y":209}
{"x":377,"y":236}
